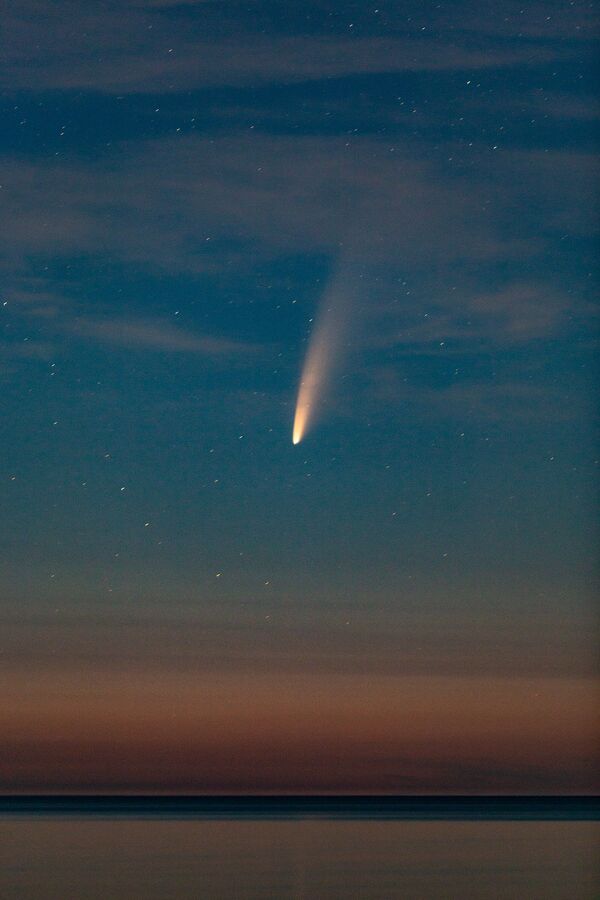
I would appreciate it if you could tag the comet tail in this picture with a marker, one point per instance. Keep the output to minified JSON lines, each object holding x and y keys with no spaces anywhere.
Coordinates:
{"x":324,"y":351}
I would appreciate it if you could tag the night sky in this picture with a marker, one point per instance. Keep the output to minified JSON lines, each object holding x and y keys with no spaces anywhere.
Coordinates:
{"x":403,"y":601}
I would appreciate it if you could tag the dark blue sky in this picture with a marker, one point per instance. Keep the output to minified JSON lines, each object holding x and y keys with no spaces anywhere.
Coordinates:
{"x":184,"y":186}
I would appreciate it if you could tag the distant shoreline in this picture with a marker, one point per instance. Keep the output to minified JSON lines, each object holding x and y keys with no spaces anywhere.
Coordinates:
{"x":491,"y":808}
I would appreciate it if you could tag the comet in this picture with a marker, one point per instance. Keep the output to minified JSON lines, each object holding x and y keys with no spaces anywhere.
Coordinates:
{"x":325,"y":347}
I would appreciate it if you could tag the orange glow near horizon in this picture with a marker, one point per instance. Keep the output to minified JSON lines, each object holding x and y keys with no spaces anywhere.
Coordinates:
{"x":171,"y":731}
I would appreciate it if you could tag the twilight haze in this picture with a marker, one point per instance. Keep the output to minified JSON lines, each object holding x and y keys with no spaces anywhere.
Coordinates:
{"x":202,"y":200}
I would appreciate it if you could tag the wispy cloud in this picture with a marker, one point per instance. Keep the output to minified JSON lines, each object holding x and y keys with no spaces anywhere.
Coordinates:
{"x":177,"y":202}
{"x":120,"y":48}
{"x":153,"y":334}
{"x":517,"y":313}
{"x":56,"y":318}
{"x":192,"y":205}
{"x":509,"y":400}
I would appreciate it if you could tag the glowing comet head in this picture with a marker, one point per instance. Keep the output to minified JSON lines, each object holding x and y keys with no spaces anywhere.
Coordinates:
{"x":300,"y":419}
{"x":314,"y":376}
{"x":305,"y":395}
{"x":311,"y":386}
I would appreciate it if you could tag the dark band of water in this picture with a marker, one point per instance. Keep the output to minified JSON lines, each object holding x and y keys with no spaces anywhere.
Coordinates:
{"x":310,"y":807}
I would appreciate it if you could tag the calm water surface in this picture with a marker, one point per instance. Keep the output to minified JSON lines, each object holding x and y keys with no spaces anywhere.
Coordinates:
{"x":83,"y":858}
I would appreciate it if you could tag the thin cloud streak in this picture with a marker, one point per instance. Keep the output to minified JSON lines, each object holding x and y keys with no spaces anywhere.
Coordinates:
{"x":119,"y":50}
{"x":154,"y":335}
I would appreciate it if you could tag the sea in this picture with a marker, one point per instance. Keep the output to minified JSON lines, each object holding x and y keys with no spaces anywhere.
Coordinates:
{"x":124,"y":848}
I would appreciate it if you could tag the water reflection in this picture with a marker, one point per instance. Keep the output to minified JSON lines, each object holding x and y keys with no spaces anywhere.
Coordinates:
{"x":47,"y":858}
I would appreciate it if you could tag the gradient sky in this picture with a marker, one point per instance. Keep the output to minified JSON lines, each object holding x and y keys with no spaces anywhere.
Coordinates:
{"x":404,"y":601}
